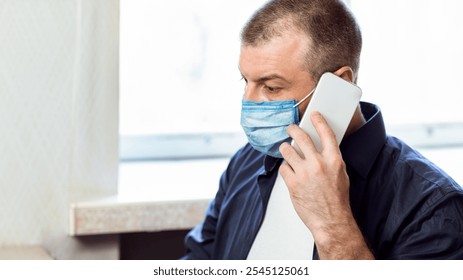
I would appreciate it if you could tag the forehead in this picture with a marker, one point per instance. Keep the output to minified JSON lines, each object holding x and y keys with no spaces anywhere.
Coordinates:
{"x":286,"y":53}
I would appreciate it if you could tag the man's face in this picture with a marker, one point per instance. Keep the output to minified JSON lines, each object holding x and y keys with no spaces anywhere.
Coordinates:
{"x":275,"y":70}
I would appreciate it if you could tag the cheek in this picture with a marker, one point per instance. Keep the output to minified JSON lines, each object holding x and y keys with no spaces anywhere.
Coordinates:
{"x":302,"y":107}
{"x":301,"y":111}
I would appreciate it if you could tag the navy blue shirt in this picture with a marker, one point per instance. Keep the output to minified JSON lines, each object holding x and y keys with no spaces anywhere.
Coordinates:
{"x":405,"y":206}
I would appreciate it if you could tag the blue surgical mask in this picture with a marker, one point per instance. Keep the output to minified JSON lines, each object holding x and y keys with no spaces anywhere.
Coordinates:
{"x":265,"y":123}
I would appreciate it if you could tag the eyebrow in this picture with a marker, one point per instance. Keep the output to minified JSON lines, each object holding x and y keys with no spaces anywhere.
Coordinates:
{"x":267,"y":78}
{"x":272,"y":77}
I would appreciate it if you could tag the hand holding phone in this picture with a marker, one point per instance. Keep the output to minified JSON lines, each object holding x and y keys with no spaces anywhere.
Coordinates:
{"x":336,"y":99}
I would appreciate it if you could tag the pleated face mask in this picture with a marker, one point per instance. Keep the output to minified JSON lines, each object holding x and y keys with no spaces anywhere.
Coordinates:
{"x":265,"y":123}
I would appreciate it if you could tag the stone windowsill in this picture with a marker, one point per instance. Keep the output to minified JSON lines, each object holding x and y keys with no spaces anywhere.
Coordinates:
{"x":24,"y":253}
{"x":153,"y":196}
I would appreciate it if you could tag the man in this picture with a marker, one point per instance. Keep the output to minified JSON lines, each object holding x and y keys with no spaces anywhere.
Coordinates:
{"x":371,"y":197}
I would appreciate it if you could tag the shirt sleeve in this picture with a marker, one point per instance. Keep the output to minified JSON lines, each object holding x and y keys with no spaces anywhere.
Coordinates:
{"x":199,"y":242}
{"x":436,"y":233}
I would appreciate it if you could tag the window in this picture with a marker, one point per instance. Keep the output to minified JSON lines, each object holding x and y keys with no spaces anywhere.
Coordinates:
{"x":180,"y":85}
{"x":181,"y":88}
{"x":410,"y":67}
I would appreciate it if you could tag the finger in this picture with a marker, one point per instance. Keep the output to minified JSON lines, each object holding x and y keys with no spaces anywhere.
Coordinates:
{"x":326,"y":134}
{"x":290,"y":155}
{"x":303,"y":140}
{"x":286,"y":171}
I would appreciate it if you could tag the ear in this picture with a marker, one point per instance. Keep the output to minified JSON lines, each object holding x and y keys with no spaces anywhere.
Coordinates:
{"x":346,"y":73}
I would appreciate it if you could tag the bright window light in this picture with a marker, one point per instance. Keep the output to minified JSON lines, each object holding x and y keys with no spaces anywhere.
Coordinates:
{"x":180,"y":87}
{"x":179,"y":65}
{"x":411,"y":59}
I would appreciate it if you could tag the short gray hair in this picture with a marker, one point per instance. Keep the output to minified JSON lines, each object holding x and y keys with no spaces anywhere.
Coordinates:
{"x":333,"y":32}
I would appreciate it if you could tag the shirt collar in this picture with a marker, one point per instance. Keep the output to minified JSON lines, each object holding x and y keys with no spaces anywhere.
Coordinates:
{"x":270,"y":163}
{"x":360,"y":149}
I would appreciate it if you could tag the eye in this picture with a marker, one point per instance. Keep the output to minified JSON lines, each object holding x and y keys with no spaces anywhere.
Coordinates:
{"x":271,"y":89}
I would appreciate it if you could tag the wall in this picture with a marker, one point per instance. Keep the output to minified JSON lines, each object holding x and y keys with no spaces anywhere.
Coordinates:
{"x":58,"y":119}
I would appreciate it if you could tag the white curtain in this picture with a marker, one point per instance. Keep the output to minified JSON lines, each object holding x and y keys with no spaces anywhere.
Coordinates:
{"x":58,"y":115}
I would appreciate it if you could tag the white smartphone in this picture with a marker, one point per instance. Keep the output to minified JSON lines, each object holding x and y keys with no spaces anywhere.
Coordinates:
{"x":336,"y":99}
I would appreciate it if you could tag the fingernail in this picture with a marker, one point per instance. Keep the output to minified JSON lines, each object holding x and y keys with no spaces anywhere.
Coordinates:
{"x":316,"y":114}
{"x":289,"y":126}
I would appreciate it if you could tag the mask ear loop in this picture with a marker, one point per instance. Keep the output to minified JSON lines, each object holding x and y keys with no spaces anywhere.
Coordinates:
{"x":303,"y":99}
